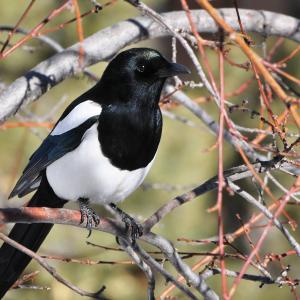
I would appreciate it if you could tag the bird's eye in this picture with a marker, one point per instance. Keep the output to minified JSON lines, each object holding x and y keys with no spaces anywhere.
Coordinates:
{"x":141,"y":68}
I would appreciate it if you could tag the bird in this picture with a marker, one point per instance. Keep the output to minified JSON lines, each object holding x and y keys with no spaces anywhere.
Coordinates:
{"x":99,"y":151}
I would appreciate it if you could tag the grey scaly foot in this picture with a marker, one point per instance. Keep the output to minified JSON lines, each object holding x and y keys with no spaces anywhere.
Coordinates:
{"x":132,"y":227}
{"x":88,"y":214}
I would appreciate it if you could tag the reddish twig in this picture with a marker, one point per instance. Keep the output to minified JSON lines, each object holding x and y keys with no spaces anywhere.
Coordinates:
{"x":79,"y":31}
{"x":11,"y":33}
{"x":220,"y":175}
{"x":25,"y":278}
{"x":35,"y":30}
{"x":87,"y":261}
{"x":216,"y":250}
{"x":289,"y":57}
{"x":200,"y":43}
{"x":276,"y":69}
{"x":10,"y":125}
{"x":64,"y":24}
{"x":279,"y":210}
{"x":253,"y":57}
{"x":274,"y":48}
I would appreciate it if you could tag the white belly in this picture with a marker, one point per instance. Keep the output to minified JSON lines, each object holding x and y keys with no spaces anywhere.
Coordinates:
{"x":86,"y":173}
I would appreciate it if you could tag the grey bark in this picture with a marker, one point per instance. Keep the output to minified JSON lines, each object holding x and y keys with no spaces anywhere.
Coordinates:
{"x":104,"y":44}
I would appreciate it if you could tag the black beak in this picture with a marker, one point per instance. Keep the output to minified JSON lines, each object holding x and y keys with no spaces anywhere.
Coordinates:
{"x":172,"y":69}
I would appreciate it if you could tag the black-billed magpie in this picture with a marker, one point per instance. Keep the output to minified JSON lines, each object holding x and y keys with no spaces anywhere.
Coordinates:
{"x":99,"y":151}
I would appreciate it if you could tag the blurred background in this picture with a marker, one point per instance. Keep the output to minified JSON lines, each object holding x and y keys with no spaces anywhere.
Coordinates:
{"x":184,"y":160}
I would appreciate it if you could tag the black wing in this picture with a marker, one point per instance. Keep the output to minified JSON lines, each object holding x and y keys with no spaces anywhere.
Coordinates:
{"x":52,"y":148}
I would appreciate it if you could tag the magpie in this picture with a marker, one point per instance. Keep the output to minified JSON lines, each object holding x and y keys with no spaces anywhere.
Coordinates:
{"x":99,"y":151}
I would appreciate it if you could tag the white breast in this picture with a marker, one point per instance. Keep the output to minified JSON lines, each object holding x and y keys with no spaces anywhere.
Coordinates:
{"x":86,"y":173}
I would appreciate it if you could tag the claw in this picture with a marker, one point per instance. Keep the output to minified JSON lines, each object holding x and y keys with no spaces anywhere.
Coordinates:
{"x":89,"y":215}
{"x":132,"y":227}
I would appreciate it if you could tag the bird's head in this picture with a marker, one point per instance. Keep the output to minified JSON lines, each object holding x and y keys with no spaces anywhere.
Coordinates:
{"x":139,"y":71}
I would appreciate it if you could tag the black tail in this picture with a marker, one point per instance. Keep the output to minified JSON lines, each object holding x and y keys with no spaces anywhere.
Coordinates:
{"x":12,"y":261}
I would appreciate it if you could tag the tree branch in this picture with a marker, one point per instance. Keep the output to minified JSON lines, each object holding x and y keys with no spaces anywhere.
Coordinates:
{"x":232,"y":174}
{"x":117,"y":228}
{"x":212,"y":125}
{"x":50,"y":269}
{"x":142,"y":265}
{"x":65,"y":64}
{"x":256,"y":278}
{"x":249,"y":198}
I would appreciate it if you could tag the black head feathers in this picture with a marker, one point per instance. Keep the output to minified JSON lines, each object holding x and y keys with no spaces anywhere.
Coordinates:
{"x":136,"y":71}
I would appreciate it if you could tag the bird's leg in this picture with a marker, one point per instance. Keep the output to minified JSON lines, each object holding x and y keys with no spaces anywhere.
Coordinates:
{"x":135,"y":229}
{"x":89,"y":214}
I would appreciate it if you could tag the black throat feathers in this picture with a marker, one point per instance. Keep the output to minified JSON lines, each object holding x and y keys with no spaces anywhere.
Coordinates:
{"x":129,"y":131}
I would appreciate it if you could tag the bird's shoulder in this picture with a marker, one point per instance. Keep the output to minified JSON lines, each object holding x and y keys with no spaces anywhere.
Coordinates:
{"x":77,"y":113}
{"x":66,"y":135}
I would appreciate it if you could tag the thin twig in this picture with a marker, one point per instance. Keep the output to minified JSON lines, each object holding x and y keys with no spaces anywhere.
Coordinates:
{"x":52,"y":271}
{"x":249,"y":198}
{"x":142,"y":265}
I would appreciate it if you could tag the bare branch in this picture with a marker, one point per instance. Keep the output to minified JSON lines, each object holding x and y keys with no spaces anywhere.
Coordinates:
{"x":71,"y":217}
{"x":256,"y":278}
{"x":233,"y":174}
{"x":169,"y":277}
{"x":212,"y":125}
{"x":50,"y":269}
{"x":117,"y":228}
{"x":55,"y":69}
{"x":249,"y":198}
{"x":142,"y":265}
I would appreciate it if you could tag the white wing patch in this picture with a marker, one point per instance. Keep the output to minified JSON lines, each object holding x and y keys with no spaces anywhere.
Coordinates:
{"x":77,"y":116}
